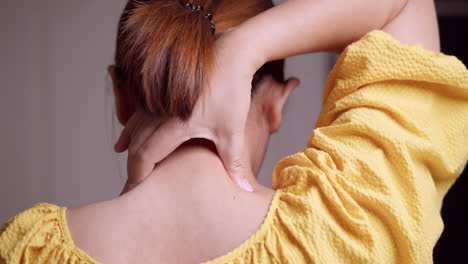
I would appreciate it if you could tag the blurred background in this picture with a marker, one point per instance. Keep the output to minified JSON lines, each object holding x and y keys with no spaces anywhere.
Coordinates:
{"x":59,"y":127}
{"x":452,"y":246}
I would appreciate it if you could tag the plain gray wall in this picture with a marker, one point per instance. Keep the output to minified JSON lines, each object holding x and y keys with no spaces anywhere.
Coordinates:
{"x":58,"y":125}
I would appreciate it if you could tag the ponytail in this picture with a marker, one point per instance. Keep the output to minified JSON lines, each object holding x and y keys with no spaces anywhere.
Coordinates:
{"x":165,"y":50}
{"x":165,"y":54}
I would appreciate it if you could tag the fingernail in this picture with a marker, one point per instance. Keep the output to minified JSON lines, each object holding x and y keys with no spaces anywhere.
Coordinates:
{"x":244,"y":184}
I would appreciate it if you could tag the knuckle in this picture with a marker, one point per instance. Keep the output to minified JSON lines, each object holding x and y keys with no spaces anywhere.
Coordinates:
{"x":137,"y":152}
{"x":236,"y":164}
{"x":141,"y":153}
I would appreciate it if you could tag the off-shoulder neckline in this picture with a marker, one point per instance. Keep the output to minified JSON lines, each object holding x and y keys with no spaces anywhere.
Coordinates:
{"x":256,"y":237}
{"x":263,"y":229}
{"x":68,"y":238}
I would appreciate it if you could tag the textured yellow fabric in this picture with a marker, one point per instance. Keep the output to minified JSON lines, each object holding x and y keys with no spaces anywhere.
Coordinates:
{"x":39,"y":235}
{"x":390,"y":140}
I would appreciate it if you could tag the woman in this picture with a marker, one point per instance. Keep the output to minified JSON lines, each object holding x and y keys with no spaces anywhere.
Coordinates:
{"x":367,"y":188}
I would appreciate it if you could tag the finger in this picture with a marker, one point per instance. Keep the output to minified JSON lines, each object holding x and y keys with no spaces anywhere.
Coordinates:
{"x":234,"y":157}
{"x":124,"y":139}
{"x":145,"y":128}
{"x":139,"y":162}
{"x":125,"y":189}
{"x":158,"y":145}
{"x":128,"y":187}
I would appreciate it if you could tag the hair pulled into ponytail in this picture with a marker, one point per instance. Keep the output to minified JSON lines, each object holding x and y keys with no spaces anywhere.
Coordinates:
{"x":165,"y":55}
{"x":165,"y":50}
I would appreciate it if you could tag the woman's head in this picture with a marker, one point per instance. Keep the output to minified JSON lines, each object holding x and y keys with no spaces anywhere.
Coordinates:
{"x":164,"y":56}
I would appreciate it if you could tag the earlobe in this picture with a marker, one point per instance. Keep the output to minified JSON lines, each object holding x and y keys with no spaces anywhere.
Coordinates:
{"x":275,"y":112}
{"x":124,"y":108}
{"x":274,"y":117}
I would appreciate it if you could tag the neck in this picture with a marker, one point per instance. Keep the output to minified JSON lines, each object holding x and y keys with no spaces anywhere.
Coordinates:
{"x":194,"y":167}
{"x":189,"y":197}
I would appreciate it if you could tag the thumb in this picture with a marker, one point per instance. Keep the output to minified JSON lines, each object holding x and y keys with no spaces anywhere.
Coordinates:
{"x":233,"y":155}
{"x":124,"y":140}
{"x":163,"y":140}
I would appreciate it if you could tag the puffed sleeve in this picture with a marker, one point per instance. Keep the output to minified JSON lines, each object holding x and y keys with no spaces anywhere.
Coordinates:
{"x":391,"y":139}
{"x":37,"y":235}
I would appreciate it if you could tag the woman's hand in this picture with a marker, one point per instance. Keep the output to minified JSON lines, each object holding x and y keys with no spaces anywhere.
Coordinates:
{"x":219,"y":115}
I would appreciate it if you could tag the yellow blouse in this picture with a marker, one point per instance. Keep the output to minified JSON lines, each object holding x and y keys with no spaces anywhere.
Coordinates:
{"x":368,"y":188}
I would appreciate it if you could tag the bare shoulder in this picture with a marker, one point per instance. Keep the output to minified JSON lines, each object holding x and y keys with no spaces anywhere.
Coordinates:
{"x":416,"y":23}
{"x":137,"y":228}
{"x":92,"y":227}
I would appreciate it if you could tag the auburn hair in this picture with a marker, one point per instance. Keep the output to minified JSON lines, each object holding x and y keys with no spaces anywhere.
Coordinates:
{"x":165,"y":51}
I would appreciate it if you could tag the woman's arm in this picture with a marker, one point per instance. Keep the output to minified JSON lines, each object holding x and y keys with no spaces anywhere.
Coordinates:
{"x":416,"y":23}
{"x":302,"y":26}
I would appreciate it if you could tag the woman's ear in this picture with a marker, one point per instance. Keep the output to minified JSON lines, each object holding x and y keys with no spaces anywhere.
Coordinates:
{"x":123,"y":105}
{"x":275,"y":105}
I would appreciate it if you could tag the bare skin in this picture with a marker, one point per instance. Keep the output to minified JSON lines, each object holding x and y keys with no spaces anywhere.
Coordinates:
{"x":172,"y":219}
{"x":188,"y":210}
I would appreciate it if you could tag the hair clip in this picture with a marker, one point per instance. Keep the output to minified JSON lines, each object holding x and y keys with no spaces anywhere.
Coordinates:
{"x":209,"y":16}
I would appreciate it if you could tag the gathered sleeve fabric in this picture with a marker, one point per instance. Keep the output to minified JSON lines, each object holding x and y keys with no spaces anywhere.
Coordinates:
{"x":391,"y":139}
{"x":38,"y":235}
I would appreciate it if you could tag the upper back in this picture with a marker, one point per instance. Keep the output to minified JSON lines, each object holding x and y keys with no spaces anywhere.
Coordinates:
{"x":173,"y":228}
